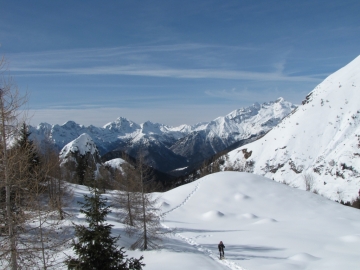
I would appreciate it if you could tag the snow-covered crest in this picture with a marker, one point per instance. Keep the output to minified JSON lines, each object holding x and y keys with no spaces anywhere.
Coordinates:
{"x":321,"y":138}
{"x":253,"y":119}
{"x":81,"y":145}
{"x":122,"y":126}
{"x":81,"y":152}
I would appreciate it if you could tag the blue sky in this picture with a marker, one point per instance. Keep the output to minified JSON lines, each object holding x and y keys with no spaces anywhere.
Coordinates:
{"x":172,"y":62}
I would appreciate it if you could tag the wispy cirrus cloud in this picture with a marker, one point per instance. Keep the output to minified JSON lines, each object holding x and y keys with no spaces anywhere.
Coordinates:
{"x":158,"y":71}
{"x":187,"y":61}
{"x":123,"y":53}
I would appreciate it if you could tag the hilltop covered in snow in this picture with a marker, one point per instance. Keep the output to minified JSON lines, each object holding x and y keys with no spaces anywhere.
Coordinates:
{"x":80,"y":153}
{"x":83,"y":144}
{"x":320,"y":139}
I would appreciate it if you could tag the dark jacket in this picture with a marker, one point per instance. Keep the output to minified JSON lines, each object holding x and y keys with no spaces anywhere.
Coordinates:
{"x":221,"y":247}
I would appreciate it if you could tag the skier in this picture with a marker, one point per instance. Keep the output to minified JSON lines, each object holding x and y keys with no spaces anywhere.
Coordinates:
{"x":221,"y":250}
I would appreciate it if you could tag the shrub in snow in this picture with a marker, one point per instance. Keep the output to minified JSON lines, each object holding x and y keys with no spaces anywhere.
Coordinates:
{"x":309,"y":181}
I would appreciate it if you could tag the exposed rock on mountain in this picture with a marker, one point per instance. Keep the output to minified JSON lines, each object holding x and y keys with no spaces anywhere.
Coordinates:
{"x":81,"y":157}
{"x":169,"y":148}
{"x":239,"y":126}
{"x":320,"y":141}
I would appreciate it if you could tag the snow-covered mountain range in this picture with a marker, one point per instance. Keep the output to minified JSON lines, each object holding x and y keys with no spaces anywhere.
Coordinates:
{"x":238,"y":127}
{"x":168,"y":148}
{"x":320,"y":140}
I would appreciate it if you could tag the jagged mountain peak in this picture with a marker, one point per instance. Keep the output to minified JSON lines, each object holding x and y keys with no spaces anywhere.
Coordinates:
{"x":122,"y":125}
{"x":239,"y":127}
{"x":153,"y":128}
{"x":253,"y":118}
{"x":249,"y":111}
{"x":71,"y":125}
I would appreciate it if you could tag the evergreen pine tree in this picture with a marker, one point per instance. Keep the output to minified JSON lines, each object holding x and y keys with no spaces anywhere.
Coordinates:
{"x":96,"y":248}
{"x":81,"y":169}
{"x":28,"y":148}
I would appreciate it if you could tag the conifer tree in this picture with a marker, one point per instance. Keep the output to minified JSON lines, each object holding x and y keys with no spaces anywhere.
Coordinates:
{"x":81,"y":169}
{"x":96,"y":248}
{"x":24,"y":143}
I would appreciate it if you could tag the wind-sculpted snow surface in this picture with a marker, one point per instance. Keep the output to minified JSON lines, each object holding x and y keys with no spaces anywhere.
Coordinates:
{"x":263,"y":224}
{"x":321,"y":140}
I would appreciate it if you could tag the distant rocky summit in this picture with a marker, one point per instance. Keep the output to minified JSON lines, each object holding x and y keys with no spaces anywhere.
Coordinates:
{"x":168,"y":148}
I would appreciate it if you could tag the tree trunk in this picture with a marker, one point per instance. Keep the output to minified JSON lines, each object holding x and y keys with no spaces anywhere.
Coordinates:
{"x":7,"y":181}
{"x":131,"y":222}
{"x":143,"y":207}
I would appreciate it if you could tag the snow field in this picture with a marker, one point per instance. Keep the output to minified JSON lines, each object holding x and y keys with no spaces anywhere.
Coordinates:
{"x":272,"y":226}
{"x":191,"y":241}
{"x":263,"y":224}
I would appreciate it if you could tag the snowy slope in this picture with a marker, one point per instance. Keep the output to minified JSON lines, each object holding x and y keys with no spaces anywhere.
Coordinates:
{"x":321,"y":138}
{"x":263,"y":224}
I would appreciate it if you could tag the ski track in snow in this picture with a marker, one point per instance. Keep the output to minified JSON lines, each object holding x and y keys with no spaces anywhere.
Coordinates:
{"x":190,"y":241}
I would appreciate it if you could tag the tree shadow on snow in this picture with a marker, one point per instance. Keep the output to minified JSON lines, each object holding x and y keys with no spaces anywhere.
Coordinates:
{"x":176,"y":221}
